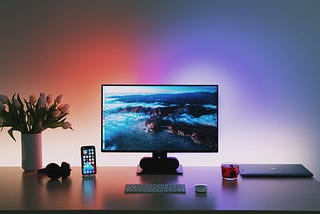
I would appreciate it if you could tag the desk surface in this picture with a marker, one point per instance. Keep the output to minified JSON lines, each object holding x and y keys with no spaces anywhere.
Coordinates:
{"x":105,"y":191}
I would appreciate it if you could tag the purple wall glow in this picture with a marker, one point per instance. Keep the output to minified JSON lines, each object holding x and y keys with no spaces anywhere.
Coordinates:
{"x":263,"y":54}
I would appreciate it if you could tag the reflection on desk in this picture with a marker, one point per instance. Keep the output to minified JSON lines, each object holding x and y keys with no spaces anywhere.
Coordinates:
{"x":27,"y":191}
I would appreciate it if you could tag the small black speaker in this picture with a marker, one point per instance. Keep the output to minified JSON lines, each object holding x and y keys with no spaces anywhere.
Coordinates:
{"x":159,"y":164}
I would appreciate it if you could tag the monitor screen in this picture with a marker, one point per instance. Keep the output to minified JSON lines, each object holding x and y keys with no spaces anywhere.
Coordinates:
{"x":161,"y":118}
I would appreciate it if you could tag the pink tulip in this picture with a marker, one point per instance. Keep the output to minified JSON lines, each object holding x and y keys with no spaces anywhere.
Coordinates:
{"x":32,"y":99}
{"x":59,"y":99}
{"x":56,"y":113}
{"x":65,"y":108}
{"x":3,"y":99}
{"x":66,"y":125}
{"x":49,"y":99}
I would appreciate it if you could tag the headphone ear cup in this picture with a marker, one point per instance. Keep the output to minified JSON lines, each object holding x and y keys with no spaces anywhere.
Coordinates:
{"x":65,"y":170}
{"x":53,"y":170}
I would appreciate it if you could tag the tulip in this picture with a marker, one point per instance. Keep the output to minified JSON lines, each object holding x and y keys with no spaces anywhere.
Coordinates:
{"x":42,"y":94}
{"x":59,"y":99}
{"x":42,"y":102}
{"x":49,"y":99}
{"x":32,"y":99}
{"x":56,"y":113}
{"x":66,"y":125}
{"x":65,"y":108}
{"x":4,"y":99}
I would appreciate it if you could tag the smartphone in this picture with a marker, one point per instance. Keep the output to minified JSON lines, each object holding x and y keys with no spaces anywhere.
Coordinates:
{"x":88,"y":160}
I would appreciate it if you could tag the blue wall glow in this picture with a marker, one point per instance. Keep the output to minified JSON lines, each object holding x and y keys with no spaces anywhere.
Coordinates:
{"x":263,"y":54}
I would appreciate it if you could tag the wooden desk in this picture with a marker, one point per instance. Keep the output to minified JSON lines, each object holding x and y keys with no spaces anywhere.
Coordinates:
{"x":105,"y":193}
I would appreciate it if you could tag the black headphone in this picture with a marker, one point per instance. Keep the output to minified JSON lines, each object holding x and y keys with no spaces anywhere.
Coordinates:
{"x":54,"y":171}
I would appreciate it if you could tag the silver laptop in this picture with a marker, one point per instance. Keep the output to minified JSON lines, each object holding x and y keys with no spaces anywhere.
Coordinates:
{"x":274,"y":170}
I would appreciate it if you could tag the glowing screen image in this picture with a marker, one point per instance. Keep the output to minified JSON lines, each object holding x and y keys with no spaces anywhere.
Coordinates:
{"x":181,"y":118}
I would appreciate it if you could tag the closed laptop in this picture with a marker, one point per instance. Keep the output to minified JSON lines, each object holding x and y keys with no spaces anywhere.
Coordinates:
{"x":274,"y":170}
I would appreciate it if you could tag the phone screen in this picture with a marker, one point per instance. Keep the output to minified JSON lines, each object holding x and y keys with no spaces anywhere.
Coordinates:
{"x":88,"y":160}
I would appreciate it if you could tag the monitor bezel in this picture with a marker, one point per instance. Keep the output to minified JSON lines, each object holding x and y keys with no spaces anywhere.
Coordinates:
{"x":157,"y":151}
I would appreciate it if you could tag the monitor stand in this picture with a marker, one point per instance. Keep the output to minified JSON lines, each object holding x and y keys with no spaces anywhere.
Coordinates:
{"x":178,"y":171}
{"x":159,"y":163}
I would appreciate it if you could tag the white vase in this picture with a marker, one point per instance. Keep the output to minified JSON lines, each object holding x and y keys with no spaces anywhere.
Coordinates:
{"x":31,"y":151}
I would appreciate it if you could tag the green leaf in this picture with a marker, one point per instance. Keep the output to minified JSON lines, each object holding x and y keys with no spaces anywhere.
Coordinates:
{"x":10,"y":132}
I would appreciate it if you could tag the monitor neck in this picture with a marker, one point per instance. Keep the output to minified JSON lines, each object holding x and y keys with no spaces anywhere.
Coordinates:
{"x":159,"y":154}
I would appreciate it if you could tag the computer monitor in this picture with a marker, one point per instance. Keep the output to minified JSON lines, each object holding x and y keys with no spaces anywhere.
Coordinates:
{"x":159,"y":119}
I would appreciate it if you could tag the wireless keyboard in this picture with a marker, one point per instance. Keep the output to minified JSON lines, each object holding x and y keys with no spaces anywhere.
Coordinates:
{"x":155,"y":188}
